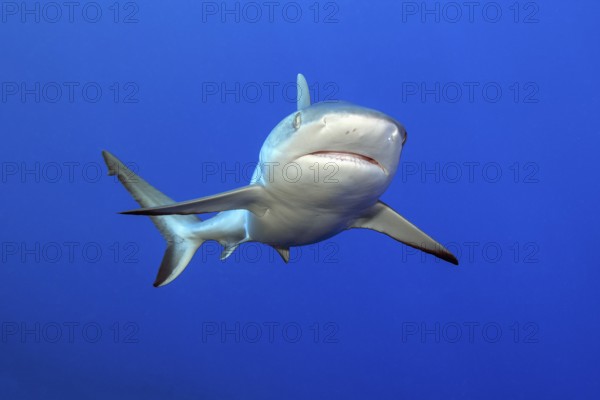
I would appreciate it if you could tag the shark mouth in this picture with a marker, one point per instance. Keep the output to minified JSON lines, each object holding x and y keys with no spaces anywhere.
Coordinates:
{"x":342,"y":156}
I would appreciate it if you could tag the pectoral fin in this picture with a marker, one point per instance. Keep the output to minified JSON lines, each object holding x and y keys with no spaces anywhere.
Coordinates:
{"x":250,"y":198}
{"x":383,"y":219}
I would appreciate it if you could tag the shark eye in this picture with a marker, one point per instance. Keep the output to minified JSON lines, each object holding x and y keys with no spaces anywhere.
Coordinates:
{"x":297,"y":120}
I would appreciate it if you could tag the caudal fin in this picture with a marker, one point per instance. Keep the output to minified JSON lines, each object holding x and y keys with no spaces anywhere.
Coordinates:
{"x":176,"y":229}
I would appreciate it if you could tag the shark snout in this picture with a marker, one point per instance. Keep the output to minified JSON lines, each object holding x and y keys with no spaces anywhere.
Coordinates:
{"x":393,"y":129}
{"x":364,"y":126}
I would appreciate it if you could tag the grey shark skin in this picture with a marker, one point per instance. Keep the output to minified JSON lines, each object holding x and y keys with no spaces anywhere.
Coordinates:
{"x":321,"y":171}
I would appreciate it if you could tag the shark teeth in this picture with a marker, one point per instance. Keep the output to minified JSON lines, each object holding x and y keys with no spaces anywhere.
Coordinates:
{"x":343,"y":156}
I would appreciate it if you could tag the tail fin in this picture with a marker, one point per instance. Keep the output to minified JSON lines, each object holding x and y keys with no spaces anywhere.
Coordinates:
{"x":176,"y":229}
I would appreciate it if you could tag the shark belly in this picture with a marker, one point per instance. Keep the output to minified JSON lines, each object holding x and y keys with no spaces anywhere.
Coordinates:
{"x":314,"y":198}
{"x":287,"y":227}
{"x":306,"y":212}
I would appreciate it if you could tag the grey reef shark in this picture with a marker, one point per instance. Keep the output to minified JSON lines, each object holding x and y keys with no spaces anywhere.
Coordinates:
{"x":321,"y":171}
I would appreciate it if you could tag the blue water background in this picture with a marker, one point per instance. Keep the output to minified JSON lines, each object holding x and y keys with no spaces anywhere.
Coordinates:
{"x":387,"y":318}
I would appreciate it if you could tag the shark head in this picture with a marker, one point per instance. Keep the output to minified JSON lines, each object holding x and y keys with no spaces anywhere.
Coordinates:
{"x":349,"y":143}
{"x":364,"y":139}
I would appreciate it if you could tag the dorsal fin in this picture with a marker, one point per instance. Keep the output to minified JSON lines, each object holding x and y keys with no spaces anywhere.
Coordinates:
{"x":303,"y":97}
